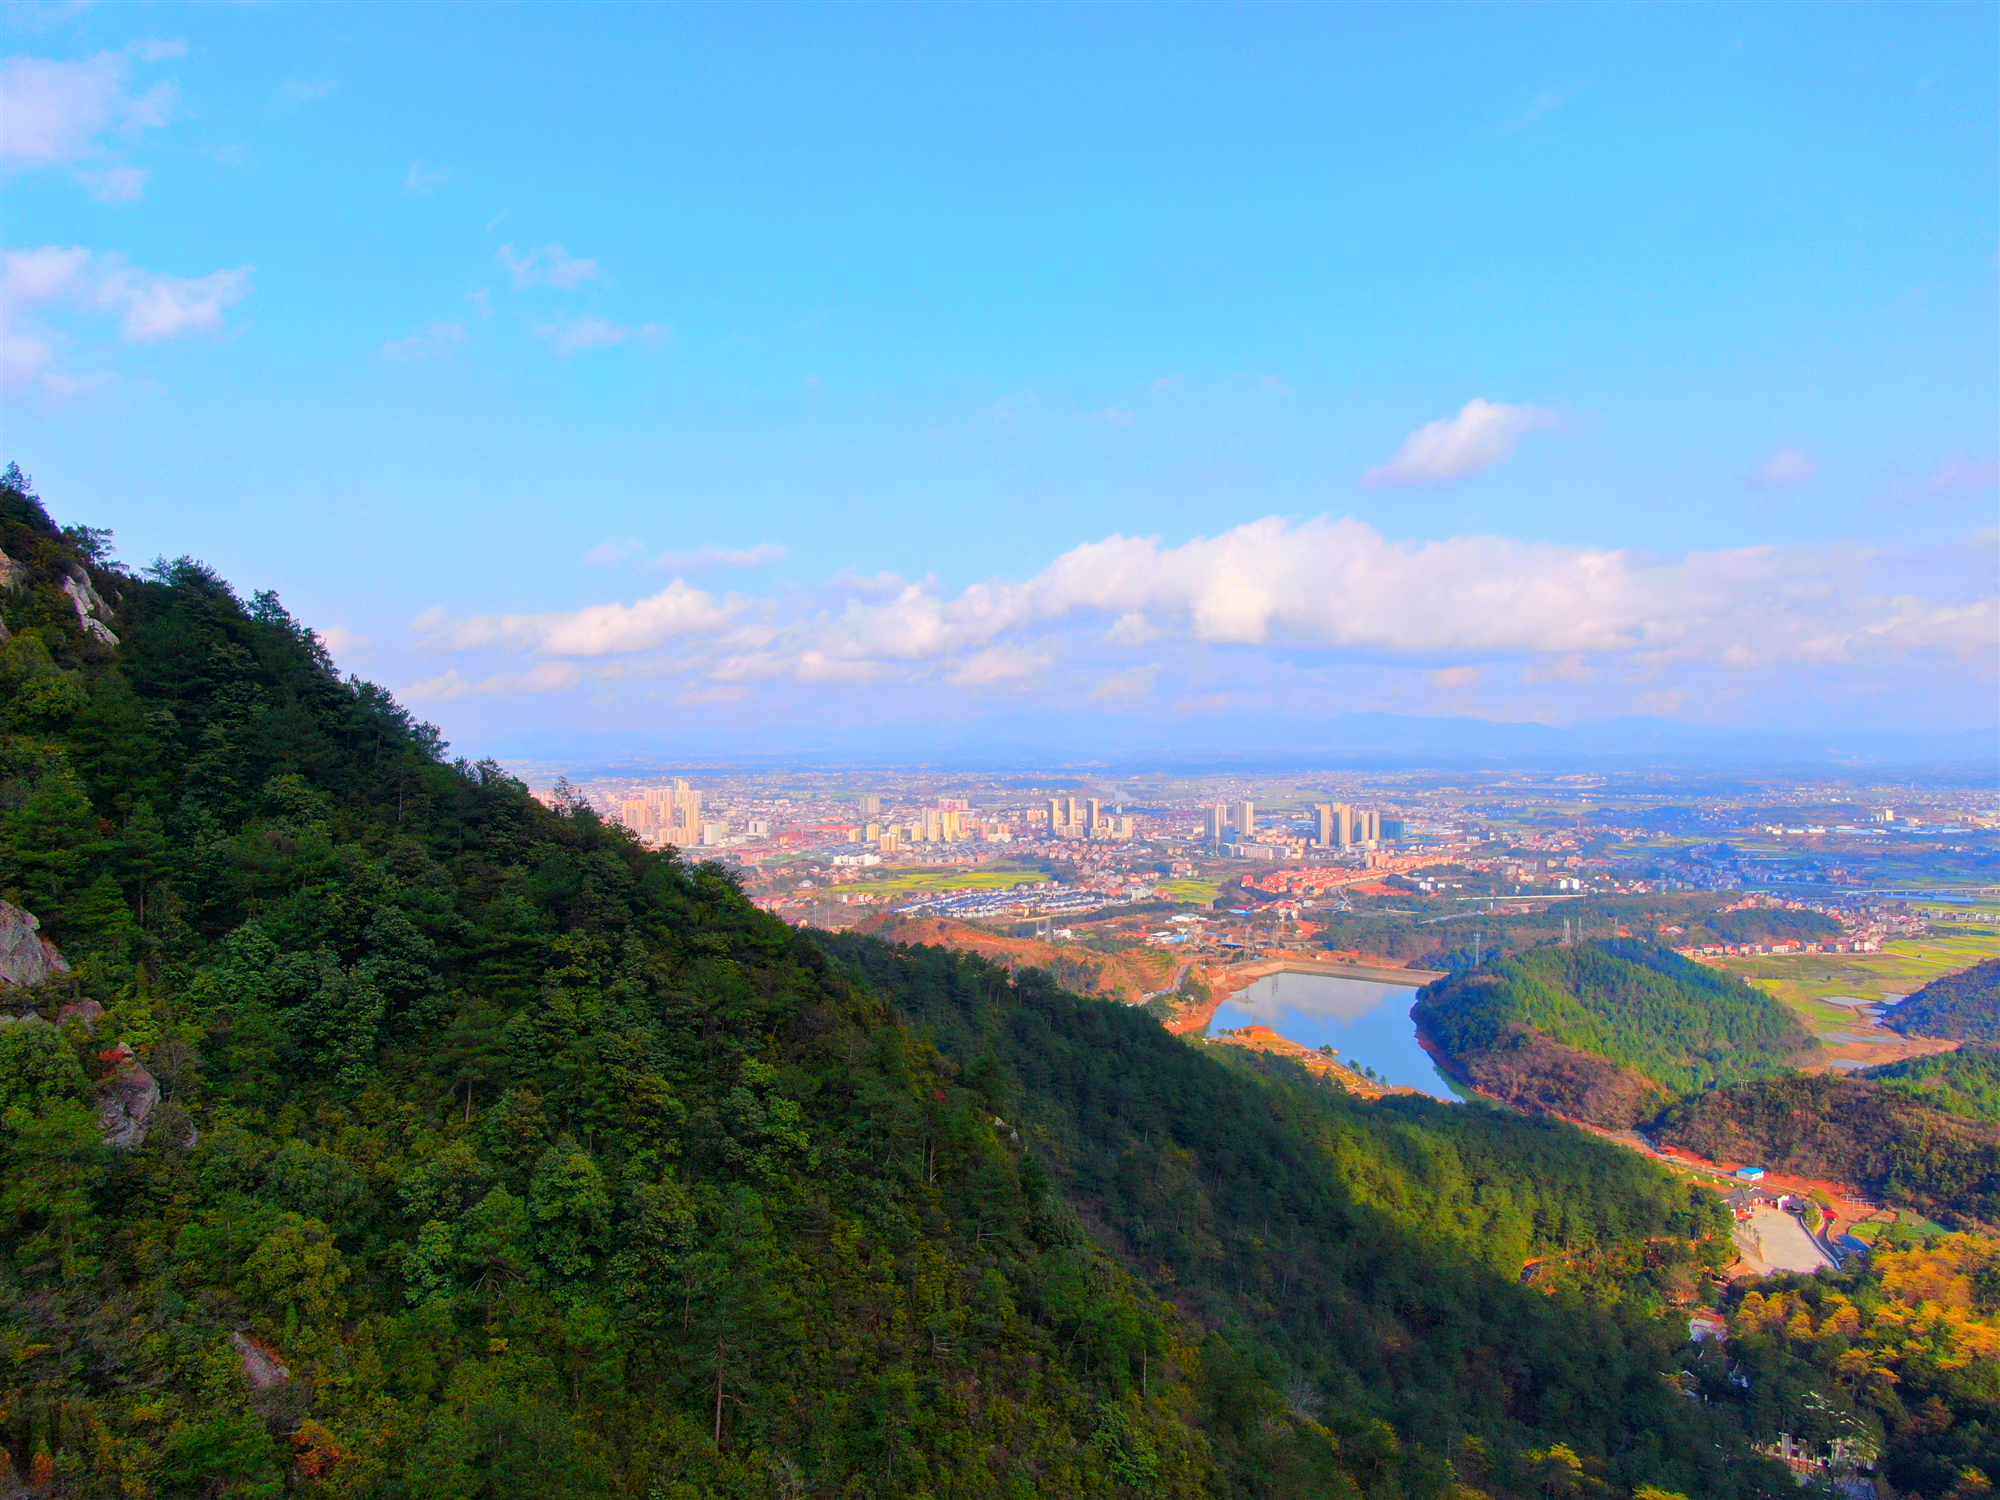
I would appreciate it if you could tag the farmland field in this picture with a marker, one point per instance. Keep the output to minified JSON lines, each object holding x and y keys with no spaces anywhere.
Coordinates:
{"x":1804,"y":980}
{"x":916,"y":882}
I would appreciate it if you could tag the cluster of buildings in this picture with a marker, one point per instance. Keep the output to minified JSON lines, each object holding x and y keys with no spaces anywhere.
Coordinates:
{"x":1085,"y":818}
{"x":1047,"y":899}
{"x":1317,"y":882}
{"x":1752,"y":950}
{"x":663,"y":815}
{"x":1230,"y":828}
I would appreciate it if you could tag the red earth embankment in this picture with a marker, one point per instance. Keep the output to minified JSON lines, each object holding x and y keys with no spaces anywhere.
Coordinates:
{"x":1264,"y":1039}
{"x":1130,"y":976}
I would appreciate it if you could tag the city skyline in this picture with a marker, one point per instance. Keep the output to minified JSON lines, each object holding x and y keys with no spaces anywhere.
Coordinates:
{"x":1274,"y":368}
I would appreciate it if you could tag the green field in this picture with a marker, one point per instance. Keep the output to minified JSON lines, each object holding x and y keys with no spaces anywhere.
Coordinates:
{"x":1190,"y":892}
{"x":1803,"y":980}
{"x":912,"y":882}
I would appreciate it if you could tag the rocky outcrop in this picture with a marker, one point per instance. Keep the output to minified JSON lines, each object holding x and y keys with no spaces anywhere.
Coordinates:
{"x":26,"y":957}
{"x":84,"y":1013}
{"x":262,"y":1369}
{"x":89,"y":605}
{"x":12,"y":574}
{"x":126,"y":1100}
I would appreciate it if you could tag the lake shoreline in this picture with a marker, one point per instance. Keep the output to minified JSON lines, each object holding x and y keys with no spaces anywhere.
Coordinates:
{"x":1358,"y":1013}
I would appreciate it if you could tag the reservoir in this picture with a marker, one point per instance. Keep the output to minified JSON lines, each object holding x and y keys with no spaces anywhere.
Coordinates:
{"x":1367,"y":1023}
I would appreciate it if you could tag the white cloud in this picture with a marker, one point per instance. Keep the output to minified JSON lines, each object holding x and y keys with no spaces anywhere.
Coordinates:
{"x":54,"y":112}
{"x":1957,"y":476}
{"x":1480,"y":436}
{"x":550,"y":266}
{"x":573,"y":335}
{"x":309,"y":90}
{"x":717,"y":557}
{"x":720,"y":693}
{"x":447,"y":687}
{"x":23,"y":359}
{"x":1342,"y":586}
{"x":337,"y":640}
{"x":998,"y":666}
{"x":150,"y":305}
{"x":1542,"y":104}
{"x":1274,"y":597}
{"x":548,"y":677}
{"x":1126,"y":686}
{"x":601,"y":630}
{"x":115,"y":184}
{"x":427,"y":342}
{"x":1111,"y":416}
{"x":421,"y":179}
{"x":1785,"y":466}
{"x":609,"y":554}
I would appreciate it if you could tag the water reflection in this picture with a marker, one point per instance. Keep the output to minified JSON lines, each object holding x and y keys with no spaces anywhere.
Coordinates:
{"x":1364,"y":1021}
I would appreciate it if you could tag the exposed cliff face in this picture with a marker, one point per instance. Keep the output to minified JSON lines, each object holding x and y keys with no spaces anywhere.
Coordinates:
{"x":126,"y":1100}
{"x":89,"y":605}
{"x":26,"y":957}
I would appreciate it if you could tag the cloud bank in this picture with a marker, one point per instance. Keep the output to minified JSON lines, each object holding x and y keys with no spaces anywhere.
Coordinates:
{"x":1129,"y":620}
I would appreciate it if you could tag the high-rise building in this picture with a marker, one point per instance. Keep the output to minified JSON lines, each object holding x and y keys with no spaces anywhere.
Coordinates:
{"x":664,"y":814}
{"x":1343,"y":825}
{"x":871,"y":807}
{"x":1216,"y":827}
{"x":1246,"y":819}
{"x":1324,"y":811}
{"x":1090,"y":825}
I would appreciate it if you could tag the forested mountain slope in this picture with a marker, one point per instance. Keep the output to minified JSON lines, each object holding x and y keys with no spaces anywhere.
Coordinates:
{"x":1373,"y":1251}
{"x":1606,"y":1031}
{"x":1964,"y":1005}
{"x":1878,"y":1134}
{"x":1965,"y":1081}
{"x":395,"y":1136}
{"x":1894,"y":1354}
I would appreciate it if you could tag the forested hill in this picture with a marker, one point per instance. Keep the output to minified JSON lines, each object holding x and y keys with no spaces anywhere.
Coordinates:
{"x":1965,"y":1081}
{"x":1964,"y":1005}
{"x":395,"y":1136}
{"x":1886,"y":1137}
{"x":1606,"y":1031}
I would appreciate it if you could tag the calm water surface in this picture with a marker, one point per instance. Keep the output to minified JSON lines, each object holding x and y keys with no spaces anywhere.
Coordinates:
{"x":1365,"y":1022}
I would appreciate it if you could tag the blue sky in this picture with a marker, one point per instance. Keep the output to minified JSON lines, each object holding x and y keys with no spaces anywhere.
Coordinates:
{"x":1142,"y":372}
